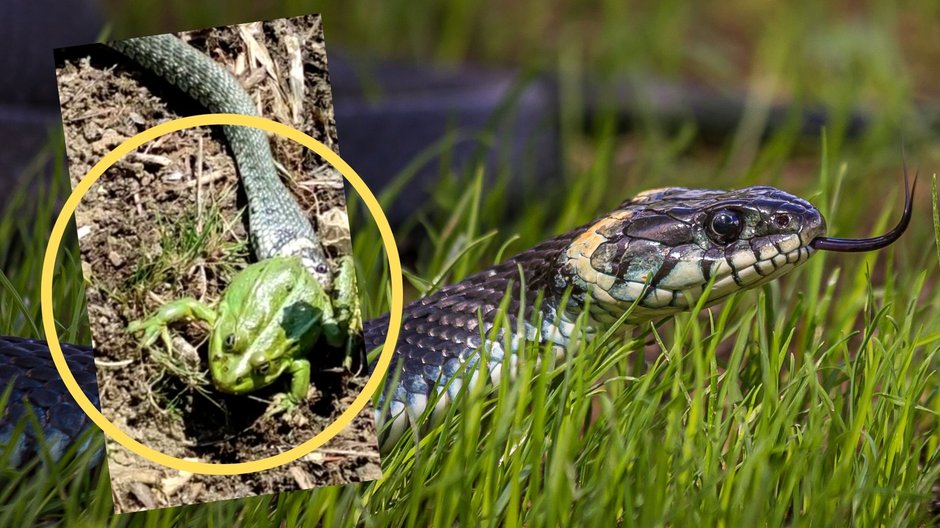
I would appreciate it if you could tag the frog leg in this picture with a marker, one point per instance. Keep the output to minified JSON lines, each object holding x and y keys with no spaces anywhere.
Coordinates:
{"x":346,"y":296}
{"x":299,"y":370}
{"x":346,"y":314}
{"x":156,"y":325}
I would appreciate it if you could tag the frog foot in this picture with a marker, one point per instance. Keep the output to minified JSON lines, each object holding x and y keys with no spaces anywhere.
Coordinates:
{"x":283,"y":404}
{"x":152,"y":330}
{"x":157,"y":325}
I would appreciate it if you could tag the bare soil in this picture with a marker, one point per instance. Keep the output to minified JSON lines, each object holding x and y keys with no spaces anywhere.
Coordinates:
{"x":134,"y":227}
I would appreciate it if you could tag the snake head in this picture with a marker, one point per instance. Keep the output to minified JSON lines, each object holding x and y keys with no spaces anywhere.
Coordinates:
{"x":663,"y":247}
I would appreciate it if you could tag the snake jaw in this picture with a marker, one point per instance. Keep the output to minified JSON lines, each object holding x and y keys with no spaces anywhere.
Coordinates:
{"x":814,"y":228}
{"x":871,"y":244}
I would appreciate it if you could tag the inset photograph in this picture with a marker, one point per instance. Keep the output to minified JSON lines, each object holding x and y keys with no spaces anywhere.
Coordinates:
{"x":220,"y":284}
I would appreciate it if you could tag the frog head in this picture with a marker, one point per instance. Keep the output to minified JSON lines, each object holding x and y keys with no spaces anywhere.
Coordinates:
{"x":269,"y":317}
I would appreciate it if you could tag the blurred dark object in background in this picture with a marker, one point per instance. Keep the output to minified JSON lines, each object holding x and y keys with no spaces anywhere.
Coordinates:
{"x":29,"y":105}
{"x":395,"y":116}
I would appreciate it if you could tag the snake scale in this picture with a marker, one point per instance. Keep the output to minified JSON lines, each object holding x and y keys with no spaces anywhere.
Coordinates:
{"x":655,"y":254}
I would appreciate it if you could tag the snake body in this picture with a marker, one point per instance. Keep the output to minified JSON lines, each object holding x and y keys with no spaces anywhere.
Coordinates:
{"x":654,"y":250}
{"x":276,"y":222}
{"x":655,"y":254}
{"x":35,"y":390}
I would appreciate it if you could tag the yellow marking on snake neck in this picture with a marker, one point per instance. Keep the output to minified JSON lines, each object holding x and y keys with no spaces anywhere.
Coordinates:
{"x":583,"y":247}
{"x":649,"y":193}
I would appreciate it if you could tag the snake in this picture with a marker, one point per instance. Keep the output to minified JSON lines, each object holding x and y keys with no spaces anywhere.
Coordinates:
{"x":655,"y":254}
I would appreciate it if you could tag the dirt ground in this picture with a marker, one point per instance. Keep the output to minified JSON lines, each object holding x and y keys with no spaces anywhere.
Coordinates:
{"x":166,"y":222}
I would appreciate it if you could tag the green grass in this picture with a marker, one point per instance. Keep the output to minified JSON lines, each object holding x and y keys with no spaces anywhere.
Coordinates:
{"x":183,"y":243}
{"x":811,"y":401}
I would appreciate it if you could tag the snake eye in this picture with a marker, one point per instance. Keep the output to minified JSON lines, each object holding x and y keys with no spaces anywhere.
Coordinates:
{"x":321,"y":268}
{"x":263,"y":368}
{"x":229,"y":341}
{"x":781,"y":220}
{"x":724,"y":226}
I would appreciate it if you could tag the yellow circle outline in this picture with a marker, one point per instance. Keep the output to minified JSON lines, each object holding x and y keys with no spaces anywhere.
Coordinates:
{"x":48,"y":317}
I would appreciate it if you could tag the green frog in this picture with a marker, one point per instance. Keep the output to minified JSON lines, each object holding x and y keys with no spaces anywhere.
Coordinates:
{"x":266,"y":324}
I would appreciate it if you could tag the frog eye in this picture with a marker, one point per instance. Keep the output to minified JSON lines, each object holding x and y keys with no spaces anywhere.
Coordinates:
{"x":263,"y":368}
{"x":321,"y":268}
{"x":229,"y":341}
